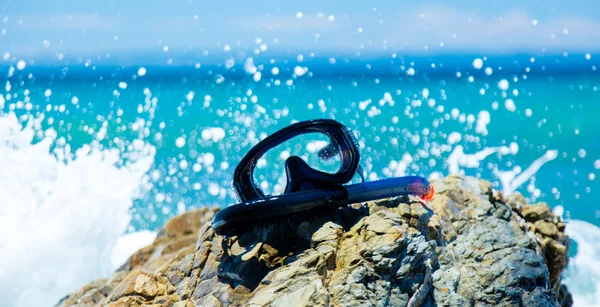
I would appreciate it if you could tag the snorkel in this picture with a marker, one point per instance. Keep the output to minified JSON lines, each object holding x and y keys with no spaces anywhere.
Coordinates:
{"x":307,"y":188}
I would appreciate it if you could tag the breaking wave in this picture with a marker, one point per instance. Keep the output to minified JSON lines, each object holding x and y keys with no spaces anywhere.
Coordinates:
{"x":583,"y":273}
{"x":62,"y":214}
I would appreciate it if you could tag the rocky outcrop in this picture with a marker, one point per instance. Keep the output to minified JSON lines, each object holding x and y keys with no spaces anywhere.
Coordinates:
{"x":471,"y":247}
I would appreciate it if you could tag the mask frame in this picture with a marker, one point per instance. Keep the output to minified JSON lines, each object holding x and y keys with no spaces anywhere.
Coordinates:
{"x":300,"y":176}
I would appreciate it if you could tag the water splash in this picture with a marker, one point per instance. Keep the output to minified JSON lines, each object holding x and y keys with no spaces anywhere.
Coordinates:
{"x":424,"y":125}
{"x":514,"y":179}
{"x":583,"y":273}
{"x":62,"y":213}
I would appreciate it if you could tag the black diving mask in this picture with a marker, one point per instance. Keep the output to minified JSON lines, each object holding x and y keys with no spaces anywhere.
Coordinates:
{"x":326,"y":157}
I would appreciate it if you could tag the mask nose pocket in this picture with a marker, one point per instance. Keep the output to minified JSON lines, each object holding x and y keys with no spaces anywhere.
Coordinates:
{"x":300,"y":176}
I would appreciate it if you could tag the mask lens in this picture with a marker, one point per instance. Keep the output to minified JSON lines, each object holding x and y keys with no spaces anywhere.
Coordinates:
{"x":316,"y":149}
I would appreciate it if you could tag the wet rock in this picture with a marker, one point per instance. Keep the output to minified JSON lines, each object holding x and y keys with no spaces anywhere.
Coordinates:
{"x":516,"y":201}
{"x":547,"y":229}
{"x":470,"y":247}
{"x":536,"y":212}
{"x":174,"y":241}
{"x":139,"y":283}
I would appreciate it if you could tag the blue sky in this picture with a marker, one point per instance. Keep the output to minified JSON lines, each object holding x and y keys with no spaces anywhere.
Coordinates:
{"x":41,"y":28}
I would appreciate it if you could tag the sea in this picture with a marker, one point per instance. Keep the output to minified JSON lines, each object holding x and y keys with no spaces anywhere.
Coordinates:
{"x":94,"y":158}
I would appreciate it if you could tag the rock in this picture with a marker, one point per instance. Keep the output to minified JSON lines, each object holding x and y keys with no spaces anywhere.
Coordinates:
{"x":471,"y":248}
{"x":174,"y":241}
{"x":140,"y":283}
{"x":564,"y":297}
{"x":532,"y":213}
{"x":516,"y":201}
{"x":547,"y":229}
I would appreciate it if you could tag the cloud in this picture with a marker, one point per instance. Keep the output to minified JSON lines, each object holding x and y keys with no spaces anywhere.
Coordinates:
{"x":512,"y":31}
{"x":73,"y":22}
{"x":281,"y":23}
{"x":428,"y":29}
{"x":414,"y":29}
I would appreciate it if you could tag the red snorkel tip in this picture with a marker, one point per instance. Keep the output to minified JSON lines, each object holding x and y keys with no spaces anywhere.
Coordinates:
{"x":422,"y":189}
{"x":429,"y":195}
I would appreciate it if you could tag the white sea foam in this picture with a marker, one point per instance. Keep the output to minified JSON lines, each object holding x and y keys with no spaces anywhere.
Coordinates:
{"x":509,"y":104}
{"x":300,"y":71}
{"x":213,"y":133}
{"x":458,"y":158}
{"x":583,"y":273}
{"x":483,"y":119}
{"x":454,"y":137}
{"x":62,"y":214}
{"x":21,"y":65}
{"x":128,"y":244}
{"x":477,"y":63}
{"x":503,"y":84}
{"x":315,"y":146}
{"x":513,"y":179}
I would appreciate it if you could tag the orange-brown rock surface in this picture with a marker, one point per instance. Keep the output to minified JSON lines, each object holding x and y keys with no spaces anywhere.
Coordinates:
{"x":472,"y":247}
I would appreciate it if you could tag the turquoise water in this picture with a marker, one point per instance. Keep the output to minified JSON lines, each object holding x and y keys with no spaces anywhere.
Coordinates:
{"x":554,"y":110}
{"x":170,"y":138}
